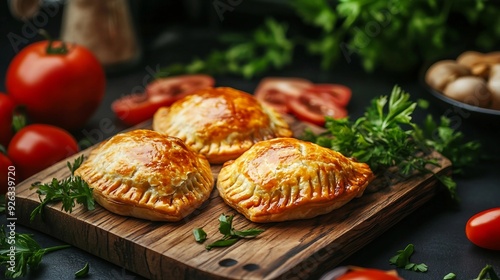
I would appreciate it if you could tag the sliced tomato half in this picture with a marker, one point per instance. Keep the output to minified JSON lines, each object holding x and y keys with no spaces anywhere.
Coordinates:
{"x":136,"y":108}
{"x":312,"y":107}
{"x":179,"y":86}
{"x":338,"y":93}
{"x":275,"y":91}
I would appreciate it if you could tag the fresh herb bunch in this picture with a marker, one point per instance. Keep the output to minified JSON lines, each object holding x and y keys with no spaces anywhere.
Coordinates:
{"x":381,"y":32}
{"x":230,"y":235}
{"x":377,"y":32}
{"x":267,"y":47}
{"x":402,"y":260}
{"x":69,"y":190}
{"x":386,"y":138}
{"x":28,"y":253}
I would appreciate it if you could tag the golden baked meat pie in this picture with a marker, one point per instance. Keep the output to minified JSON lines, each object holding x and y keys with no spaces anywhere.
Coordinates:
{"x":288,"y":179}
{"x":148,"y":175}
{"x":220,"y":123}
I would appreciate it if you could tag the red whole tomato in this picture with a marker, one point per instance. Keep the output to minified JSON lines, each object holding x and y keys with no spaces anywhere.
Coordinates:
{"x":38,"y":146}
{"x":337,"y":93}
{"x":135,"y":108}
{"x":57,"y":85}
{"x":483,"y":229}
{"x":369,"y":274}
{"x":275,"y":91}
{"x":6,"y":111}
{"x":312,"y":107}
{"x":5,"y":164}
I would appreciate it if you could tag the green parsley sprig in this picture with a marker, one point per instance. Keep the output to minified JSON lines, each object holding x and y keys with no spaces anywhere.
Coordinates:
{"x":230,"y":235}
{"x":69,"y":191}
{"x":402,"y":260}
{"x":385,"y":137}
{"x":27,"y":253}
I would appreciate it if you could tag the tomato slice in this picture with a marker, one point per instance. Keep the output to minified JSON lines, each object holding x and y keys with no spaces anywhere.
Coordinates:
{"x":275,"y":91}
{"x":179,"y":86}
{"x":338,"y":93}
{"x":312,"y":107}
{"x":136,"y":108}
{"x":369,"y":274}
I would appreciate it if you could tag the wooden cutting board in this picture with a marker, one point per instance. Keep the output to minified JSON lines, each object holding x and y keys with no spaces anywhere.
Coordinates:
{"x":286,"y":250}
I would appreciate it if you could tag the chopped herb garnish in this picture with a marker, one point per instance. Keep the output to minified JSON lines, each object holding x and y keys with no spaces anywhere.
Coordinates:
{"x":450,"y":276}
{"x":230,"y":235}
{"x":199,"y":235}
{"x":68,"y":191}
{"x":402,"y":260}
{"x":84,"y":271}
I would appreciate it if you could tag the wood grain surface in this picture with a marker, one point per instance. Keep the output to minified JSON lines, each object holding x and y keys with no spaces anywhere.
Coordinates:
{"x":286,"y":250}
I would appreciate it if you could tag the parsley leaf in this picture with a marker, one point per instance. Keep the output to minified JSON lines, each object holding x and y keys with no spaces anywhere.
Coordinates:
{"x":450,"y":143}
{"x":230,"y":235}
{"x":27,"y":253}
{"x":84,"y":271}
{"x":450,"y":276}
{"x":68,"y":191}
{"x":402,"y":260}
{"x":199,"y":235}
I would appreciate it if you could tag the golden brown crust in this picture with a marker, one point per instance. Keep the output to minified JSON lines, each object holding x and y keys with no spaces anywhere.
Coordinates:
{"x":148,"y":175}
{"x":288,"y":179}
{"x":220,"y":123}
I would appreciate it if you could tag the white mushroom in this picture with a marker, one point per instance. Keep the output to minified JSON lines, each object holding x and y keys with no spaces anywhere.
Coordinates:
{"x":494,"y":86}
{"x":443,"y":72}
{"x":478,"y":63}
{"x":471,"y":90}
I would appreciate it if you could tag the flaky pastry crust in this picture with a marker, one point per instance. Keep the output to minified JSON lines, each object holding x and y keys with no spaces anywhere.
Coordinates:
{"x":220,"y":123}
{"x":288,"y":179}
{"x":148,"y":175}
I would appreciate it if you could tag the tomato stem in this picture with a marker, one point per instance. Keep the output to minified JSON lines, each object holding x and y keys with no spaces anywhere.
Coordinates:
{"x":63,"y":49}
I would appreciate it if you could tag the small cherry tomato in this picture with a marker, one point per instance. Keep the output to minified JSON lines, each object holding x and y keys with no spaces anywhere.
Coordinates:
{"x":5,"y":163}
{"x":6,"y":111}
{"x":312,"y":107}
{"x":369,"y":274}
{"x":38,"y":146}
{"x":59,"y":84}
{"x":483,"y":229}
{"x":337,"y":93}
{"x":135,"y":108}
{"x":275,"y":91}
